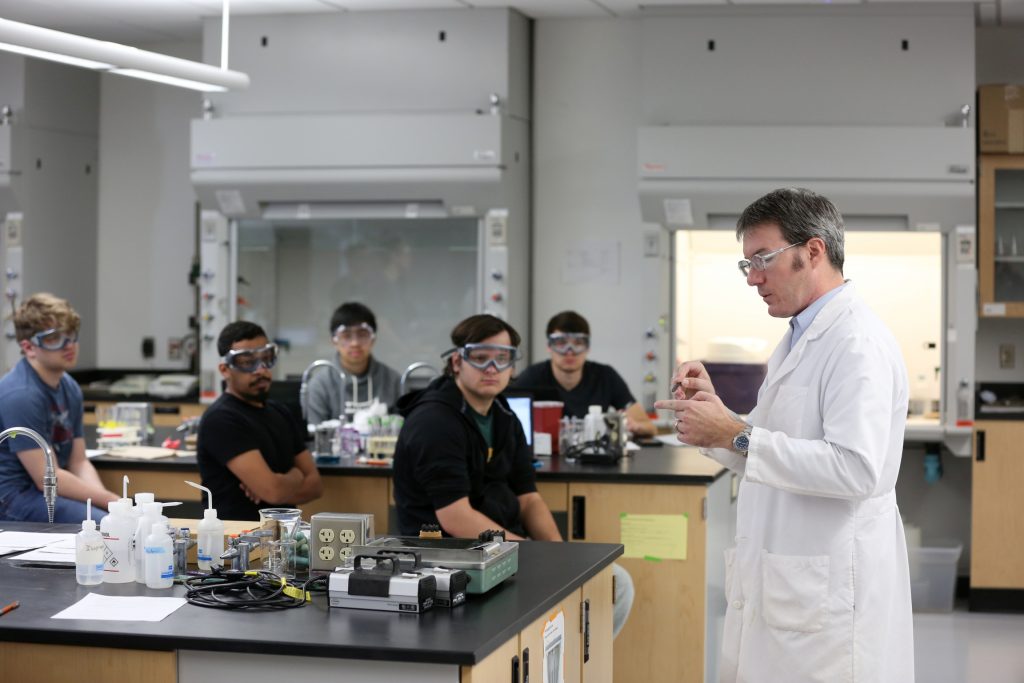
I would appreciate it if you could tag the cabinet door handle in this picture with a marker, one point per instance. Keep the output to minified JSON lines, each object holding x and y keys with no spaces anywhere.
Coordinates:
{"x":586,"y":630}
{"x":526,"y":665}
{"x":515,"y":668}
{"x":979,"y":453}
{"x":579,"y":517}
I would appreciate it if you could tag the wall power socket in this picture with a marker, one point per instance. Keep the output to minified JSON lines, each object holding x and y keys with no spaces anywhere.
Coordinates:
{"x":332,"y":535}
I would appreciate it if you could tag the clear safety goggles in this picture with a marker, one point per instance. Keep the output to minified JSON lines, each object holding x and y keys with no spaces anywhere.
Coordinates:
{"x":251,"y":360}
{"x":482,"y":356}
{"x":762,"y":261}
{"x":54,"y":339}
{"x":361,"y":333}
{"x":564,"y":342}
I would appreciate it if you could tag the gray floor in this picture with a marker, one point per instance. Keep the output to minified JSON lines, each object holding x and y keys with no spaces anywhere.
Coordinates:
{"x":969,"y":647}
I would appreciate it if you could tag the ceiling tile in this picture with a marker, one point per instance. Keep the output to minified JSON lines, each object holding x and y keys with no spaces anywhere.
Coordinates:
{"x":1011,"y":12}
{"x":642,"y":7}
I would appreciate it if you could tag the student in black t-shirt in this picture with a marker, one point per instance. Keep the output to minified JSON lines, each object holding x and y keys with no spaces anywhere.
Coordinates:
{"x":251,"y":450}
{"x":581,"y":383}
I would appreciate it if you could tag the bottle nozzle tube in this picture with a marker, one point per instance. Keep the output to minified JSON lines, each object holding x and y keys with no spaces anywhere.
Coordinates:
{"x":209,"y":494}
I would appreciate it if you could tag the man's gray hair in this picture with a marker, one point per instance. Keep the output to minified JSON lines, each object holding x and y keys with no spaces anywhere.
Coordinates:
{"x":800,"y":214}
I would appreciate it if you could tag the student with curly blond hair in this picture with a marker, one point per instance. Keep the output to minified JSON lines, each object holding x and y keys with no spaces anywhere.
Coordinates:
{"x":38,"y":393}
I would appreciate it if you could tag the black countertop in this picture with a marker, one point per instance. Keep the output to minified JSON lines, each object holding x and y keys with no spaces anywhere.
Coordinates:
{"x":666,"y":465}
{"x":548,"y":573}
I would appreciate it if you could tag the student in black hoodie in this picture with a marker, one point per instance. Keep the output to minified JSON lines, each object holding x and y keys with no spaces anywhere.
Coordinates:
{"x":461,"y":459}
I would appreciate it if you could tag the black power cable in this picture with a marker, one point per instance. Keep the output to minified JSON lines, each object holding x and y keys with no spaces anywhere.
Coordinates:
{"x":253,"y":590}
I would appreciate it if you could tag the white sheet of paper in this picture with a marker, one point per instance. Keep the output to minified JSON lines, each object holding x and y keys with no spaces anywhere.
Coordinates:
{"x":62,"y":551}
{"x":670,"y":439}
{"x":118,"y":608}
{"x":10,"y":541}
{"x":93,"y":452}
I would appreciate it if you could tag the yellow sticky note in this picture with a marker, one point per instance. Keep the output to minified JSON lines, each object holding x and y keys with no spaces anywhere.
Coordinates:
{"x":653,"y":537}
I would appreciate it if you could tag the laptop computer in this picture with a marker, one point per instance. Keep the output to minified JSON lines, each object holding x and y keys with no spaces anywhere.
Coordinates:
{"x":522,"y":405}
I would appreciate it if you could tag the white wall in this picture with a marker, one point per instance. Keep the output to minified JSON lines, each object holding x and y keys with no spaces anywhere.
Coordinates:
{"x":146,"y":216}
{"x":586,"y":112}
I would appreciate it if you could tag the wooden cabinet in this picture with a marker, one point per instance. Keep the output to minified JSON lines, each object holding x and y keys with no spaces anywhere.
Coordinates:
{"x":586,"y":653}
{"x":663,"y":640}
{"x":1001,"y":235}
{"x":997,"y":506}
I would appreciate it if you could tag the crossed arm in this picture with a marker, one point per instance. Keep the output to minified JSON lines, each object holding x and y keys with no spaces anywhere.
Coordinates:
{"x":298,"y":485}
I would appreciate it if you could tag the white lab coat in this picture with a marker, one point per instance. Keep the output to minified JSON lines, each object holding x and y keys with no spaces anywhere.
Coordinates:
{"x":818,"y":584}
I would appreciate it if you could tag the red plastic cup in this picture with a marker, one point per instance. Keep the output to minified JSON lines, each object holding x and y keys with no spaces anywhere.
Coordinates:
{"x":547,"y":418}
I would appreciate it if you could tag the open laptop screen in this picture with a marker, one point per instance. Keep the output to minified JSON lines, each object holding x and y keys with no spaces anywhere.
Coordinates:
{"x":522,"y":406}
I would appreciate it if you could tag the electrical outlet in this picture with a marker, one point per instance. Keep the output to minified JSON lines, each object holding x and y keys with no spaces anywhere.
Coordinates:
{"x":334,"y":534}
{"x":174,"y":345}
{"x":1007,"y":356}
{"x":652,"y":243}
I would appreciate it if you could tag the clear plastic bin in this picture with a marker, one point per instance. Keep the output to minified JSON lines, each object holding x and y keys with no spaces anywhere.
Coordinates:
{"x":933,"y":575}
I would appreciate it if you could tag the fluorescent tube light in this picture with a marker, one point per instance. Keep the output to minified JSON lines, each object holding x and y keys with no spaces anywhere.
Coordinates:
{"x":129,"y":61}
{"x":54,"y":57}
{"x":169,"y":80}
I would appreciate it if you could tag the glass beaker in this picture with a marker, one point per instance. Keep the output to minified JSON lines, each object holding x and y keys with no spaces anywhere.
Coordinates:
{"x":282,"y":521}
{"x":281,"y":558}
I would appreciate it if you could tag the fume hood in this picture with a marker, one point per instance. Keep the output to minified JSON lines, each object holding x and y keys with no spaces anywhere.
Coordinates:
{"x":421,"y":216}
{"x":887,"y":179}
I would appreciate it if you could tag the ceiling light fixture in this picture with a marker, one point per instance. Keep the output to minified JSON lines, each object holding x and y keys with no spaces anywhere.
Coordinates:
{"x":101,"y":55}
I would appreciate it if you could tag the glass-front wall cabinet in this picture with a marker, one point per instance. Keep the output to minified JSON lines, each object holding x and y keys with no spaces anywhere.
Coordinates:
{"x":1001,"y":235}
{"x":419,"y":276}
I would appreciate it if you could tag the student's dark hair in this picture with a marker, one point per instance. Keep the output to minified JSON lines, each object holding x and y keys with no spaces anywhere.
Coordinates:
{"x":475,"y":329}
{"x":240,"y":330}
{"x":352,"y":313}
{"x":568,"y":321}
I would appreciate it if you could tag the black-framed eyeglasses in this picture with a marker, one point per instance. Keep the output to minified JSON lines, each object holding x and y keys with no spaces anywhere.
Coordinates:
{"x":54,"y":339}
{"x":251,"y":360}
{"x":762,"y":261}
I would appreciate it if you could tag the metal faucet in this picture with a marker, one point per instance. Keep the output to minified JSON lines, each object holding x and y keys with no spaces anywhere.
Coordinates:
{"x":411,"y":369}
{"x":50,"y":477}
{"x":242,"y":546}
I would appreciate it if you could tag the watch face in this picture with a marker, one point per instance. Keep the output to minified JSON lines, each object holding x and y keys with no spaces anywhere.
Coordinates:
{"x":741,"y":442}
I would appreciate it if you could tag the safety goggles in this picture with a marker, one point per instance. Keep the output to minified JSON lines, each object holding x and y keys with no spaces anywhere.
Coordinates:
{"x":762,"y":261}
{"x":54,"y":339}
{"x":251,"y":360}
{"x":482,"y":356}
{"x":361,"y":333}
{"x":564,"y":342}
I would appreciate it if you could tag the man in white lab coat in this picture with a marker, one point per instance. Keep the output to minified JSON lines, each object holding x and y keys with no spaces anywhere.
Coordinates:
{"x":818,"y":585}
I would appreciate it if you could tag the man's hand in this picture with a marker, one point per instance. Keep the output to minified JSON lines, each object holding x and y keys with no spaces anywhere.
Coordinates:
{"x":690,"y":378}
{"x":249,"y":494}
{"x":703,"y":420}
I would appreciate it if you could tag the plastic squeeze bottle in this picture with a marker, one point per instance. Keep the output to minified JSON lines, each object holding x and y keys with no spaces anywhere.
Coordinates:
{"x":89,"y":551}
{"x":159,"y":559}
{"x":210,"y":541}
{"x":151,"y":514}
{"x":117,"y":529}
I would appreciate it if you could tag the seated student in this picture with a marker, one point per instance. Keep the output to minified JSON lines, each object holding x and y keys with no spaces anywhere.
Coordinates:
{"x":250,"y":449}
{"x":38,"y":393}
{"x":461,"y":460}
{"x":353,"y":330}
{"x":579,"y":382}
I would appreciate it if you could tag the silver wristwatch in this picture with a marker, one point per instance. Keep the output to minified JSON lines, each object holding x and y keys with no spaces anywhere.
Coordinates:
{"x":741,"y":442}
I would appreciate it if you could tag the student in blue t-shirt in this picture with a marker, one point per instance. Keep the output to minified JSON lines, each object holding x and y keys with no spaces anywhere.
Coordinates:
{"x":39,"y":394}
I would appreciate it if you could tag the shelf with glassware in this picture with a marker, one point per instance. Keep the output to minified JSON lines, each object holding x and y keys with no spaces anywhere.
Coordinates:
{"x":1001,"y":235}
